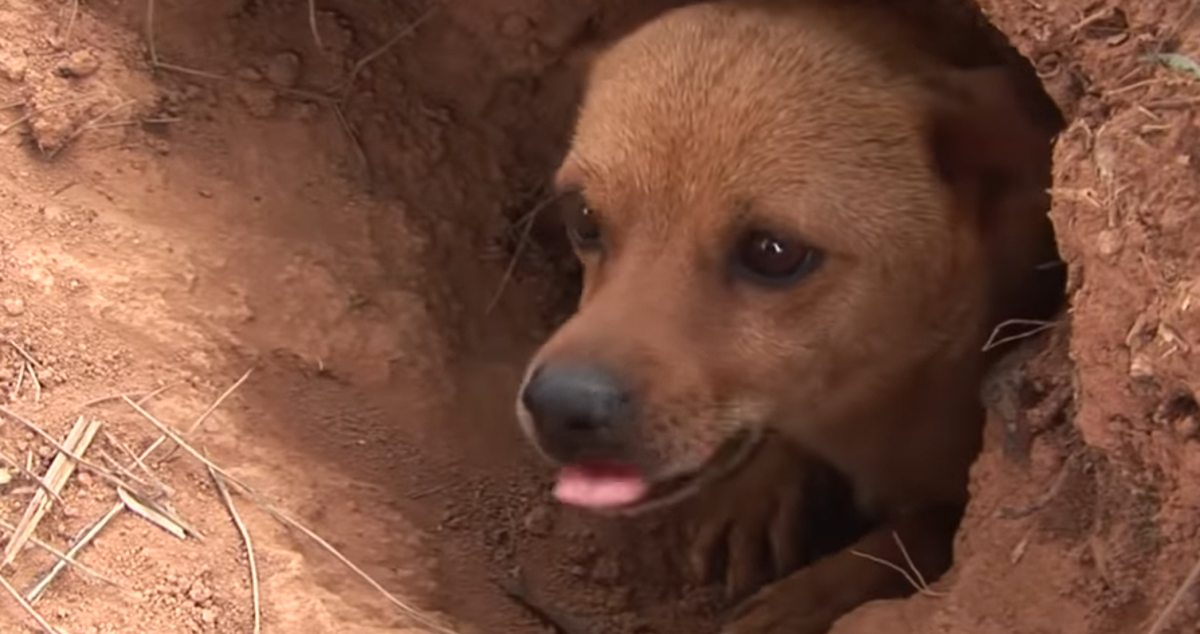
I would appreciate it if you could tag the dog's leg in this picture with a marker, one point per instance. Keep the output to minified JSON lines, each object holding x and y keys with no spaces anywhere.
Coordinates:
{"x":748,"y":529}
{"x":814,"y":598}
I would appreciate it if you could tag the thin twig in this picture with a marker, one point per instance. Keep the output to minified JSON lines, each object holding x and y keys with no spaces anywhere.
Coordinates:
{"x":20,"y":120}
{"x":87,"y":125}
{"x":1160,"y":623}
{"x":413,"y":612}
{"x":100,"y":471}
{"x":37,"y":384}
{"x":913,"y":575}
{"x":199,"y":420}
{"x":33,"y":614}
{"x":60,"y":471}
{"x":16,"y":391}
{"x":86,"y":537}
{"x":373,"y":55}
{"x":71,"y":22}
{"x":150,"y":34}
{"x":316,"y":32}
{"x":23,"y":352}
{"x":54,"y":552}
{"x":134,"y":459}
{"x":32,"y":476}
{"x":529,"y":218}
{"x":909,"y":561}
{"x":1036,"y":326}
{"x":245,"y":534}
{"x":141,"y":398}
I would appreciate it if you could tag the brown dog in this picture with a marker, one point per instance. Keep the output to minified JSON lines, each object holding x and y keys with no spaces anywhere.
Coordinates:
{"x":794,"y":217}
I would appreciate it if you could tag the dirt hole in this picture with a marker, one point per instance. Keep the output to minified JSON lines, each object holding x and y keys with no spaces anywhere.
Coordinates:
{"x":331,"y":194}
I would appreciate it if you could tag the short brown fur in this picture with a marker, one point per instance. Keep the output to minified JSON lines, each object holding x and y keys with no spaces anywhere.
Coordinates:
{"x":923,"y":184}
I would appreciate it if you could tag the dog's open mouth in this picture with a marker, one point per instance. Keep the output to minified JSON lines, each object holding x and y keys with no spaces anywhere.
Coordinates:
{"x":610,"y":487}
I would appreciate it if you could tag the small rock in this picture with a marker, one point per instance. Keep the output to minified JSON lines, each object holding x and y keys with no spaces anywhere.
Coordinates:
{"x":13,"y":65}
{"x":199,"y":593}
{"x":208,"y":616}
{"x":79,"y":65}
{"x":539,"y":521}
{"x":1109,"y":242}
{"x":284,"y":70}
{"x":14,"y":307}
{"x":6,"y":477}
{"x":1187,"y":427}
{"x":53,"y":213}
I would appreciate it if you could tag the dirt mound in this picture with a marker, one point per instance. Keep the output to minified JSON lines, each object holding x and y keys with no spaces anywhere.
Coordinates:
{"x":323,"y":195}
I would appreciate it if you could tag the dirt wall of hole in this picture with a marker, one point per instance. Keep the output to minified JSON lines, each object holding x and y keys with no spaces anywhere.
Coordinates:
{"x":1087,"y":525}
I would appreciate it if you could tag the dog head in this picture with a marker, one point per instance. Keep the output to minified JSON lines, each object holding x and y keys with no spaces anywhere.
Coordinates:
{"x":781,"y":227}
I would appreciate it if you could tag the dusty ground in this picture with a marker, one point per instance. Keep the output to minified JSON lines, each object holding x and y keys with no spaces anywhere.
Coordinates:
{"x":342,"y":234}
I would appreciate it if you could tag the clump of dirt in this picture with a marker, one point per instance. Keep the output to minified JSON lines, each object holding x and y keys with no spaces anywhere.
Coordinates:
{"x":323,"y":195}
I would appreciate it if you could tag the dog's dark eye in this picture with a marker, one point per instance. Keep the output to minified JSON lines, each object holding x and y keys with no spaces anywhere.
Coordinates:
{"x":770,"y":259}
{"x":584,"y":228}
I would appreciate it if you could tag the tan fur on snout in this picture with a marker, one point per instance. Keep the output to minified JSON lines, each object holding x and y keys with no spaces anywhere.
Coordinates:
{"x":825,"y":121}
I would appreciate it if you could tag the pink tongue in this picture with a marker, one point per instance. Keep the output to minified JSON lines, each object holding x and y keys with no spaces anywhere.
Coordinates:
{"x":600,"y":486}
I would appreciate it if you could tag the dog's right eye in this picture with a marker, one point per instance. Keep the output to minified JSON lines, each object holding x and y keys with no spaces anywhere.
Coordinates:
{"x":769,"y":259}
{"x":584,"y":228}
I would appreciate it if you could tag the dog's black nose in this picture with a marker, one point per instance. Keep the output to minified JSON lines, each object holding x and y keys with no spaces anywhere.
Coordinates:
{"x":578,"y":410}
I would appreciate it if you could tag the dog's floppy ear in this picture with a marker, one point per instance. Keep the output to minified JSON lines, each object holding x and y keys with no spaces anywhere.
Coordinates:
{"x":984,"y":139}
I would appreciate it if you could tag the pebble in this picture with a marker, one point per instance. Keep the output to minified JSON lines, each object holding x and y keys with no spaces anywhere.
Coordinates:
{"x":283,"y":70}
{"x":80,"y":64}
{"x":14,"y":307}
{"x":13,"y":65}
{"x":539,"y":521}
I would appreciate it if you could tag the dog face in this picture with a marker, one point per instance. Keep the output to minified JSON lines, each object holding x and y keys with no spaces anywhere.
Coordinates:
{"x":777,"y":227}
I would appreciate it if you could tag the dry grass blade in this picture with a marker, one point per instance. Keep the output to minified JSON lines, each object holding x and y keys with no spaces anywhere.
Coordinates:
{"x":16,"y":390}
{"x":60,"y":471}
{"x":223,"y":490}
{"x":413,"y":612}
{"x":200,"y":419}
{"x":16,"y":464}
{"x":914,"y":578}
{"x":37,"y":383}
{"x":151,"y":515}
{"x":316,"y":33}
{"x":1035,"y":326}
{"x":71,"y":22}
{"x":528,"y":219}
{"x":28,"y":609}
{"x":160,"y":488}
{"x":23,"y":352}
{"x":89,"y":534}
{"x":67,"y":558}
{"x":141,"y":399}
{"x":150,"y":33}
